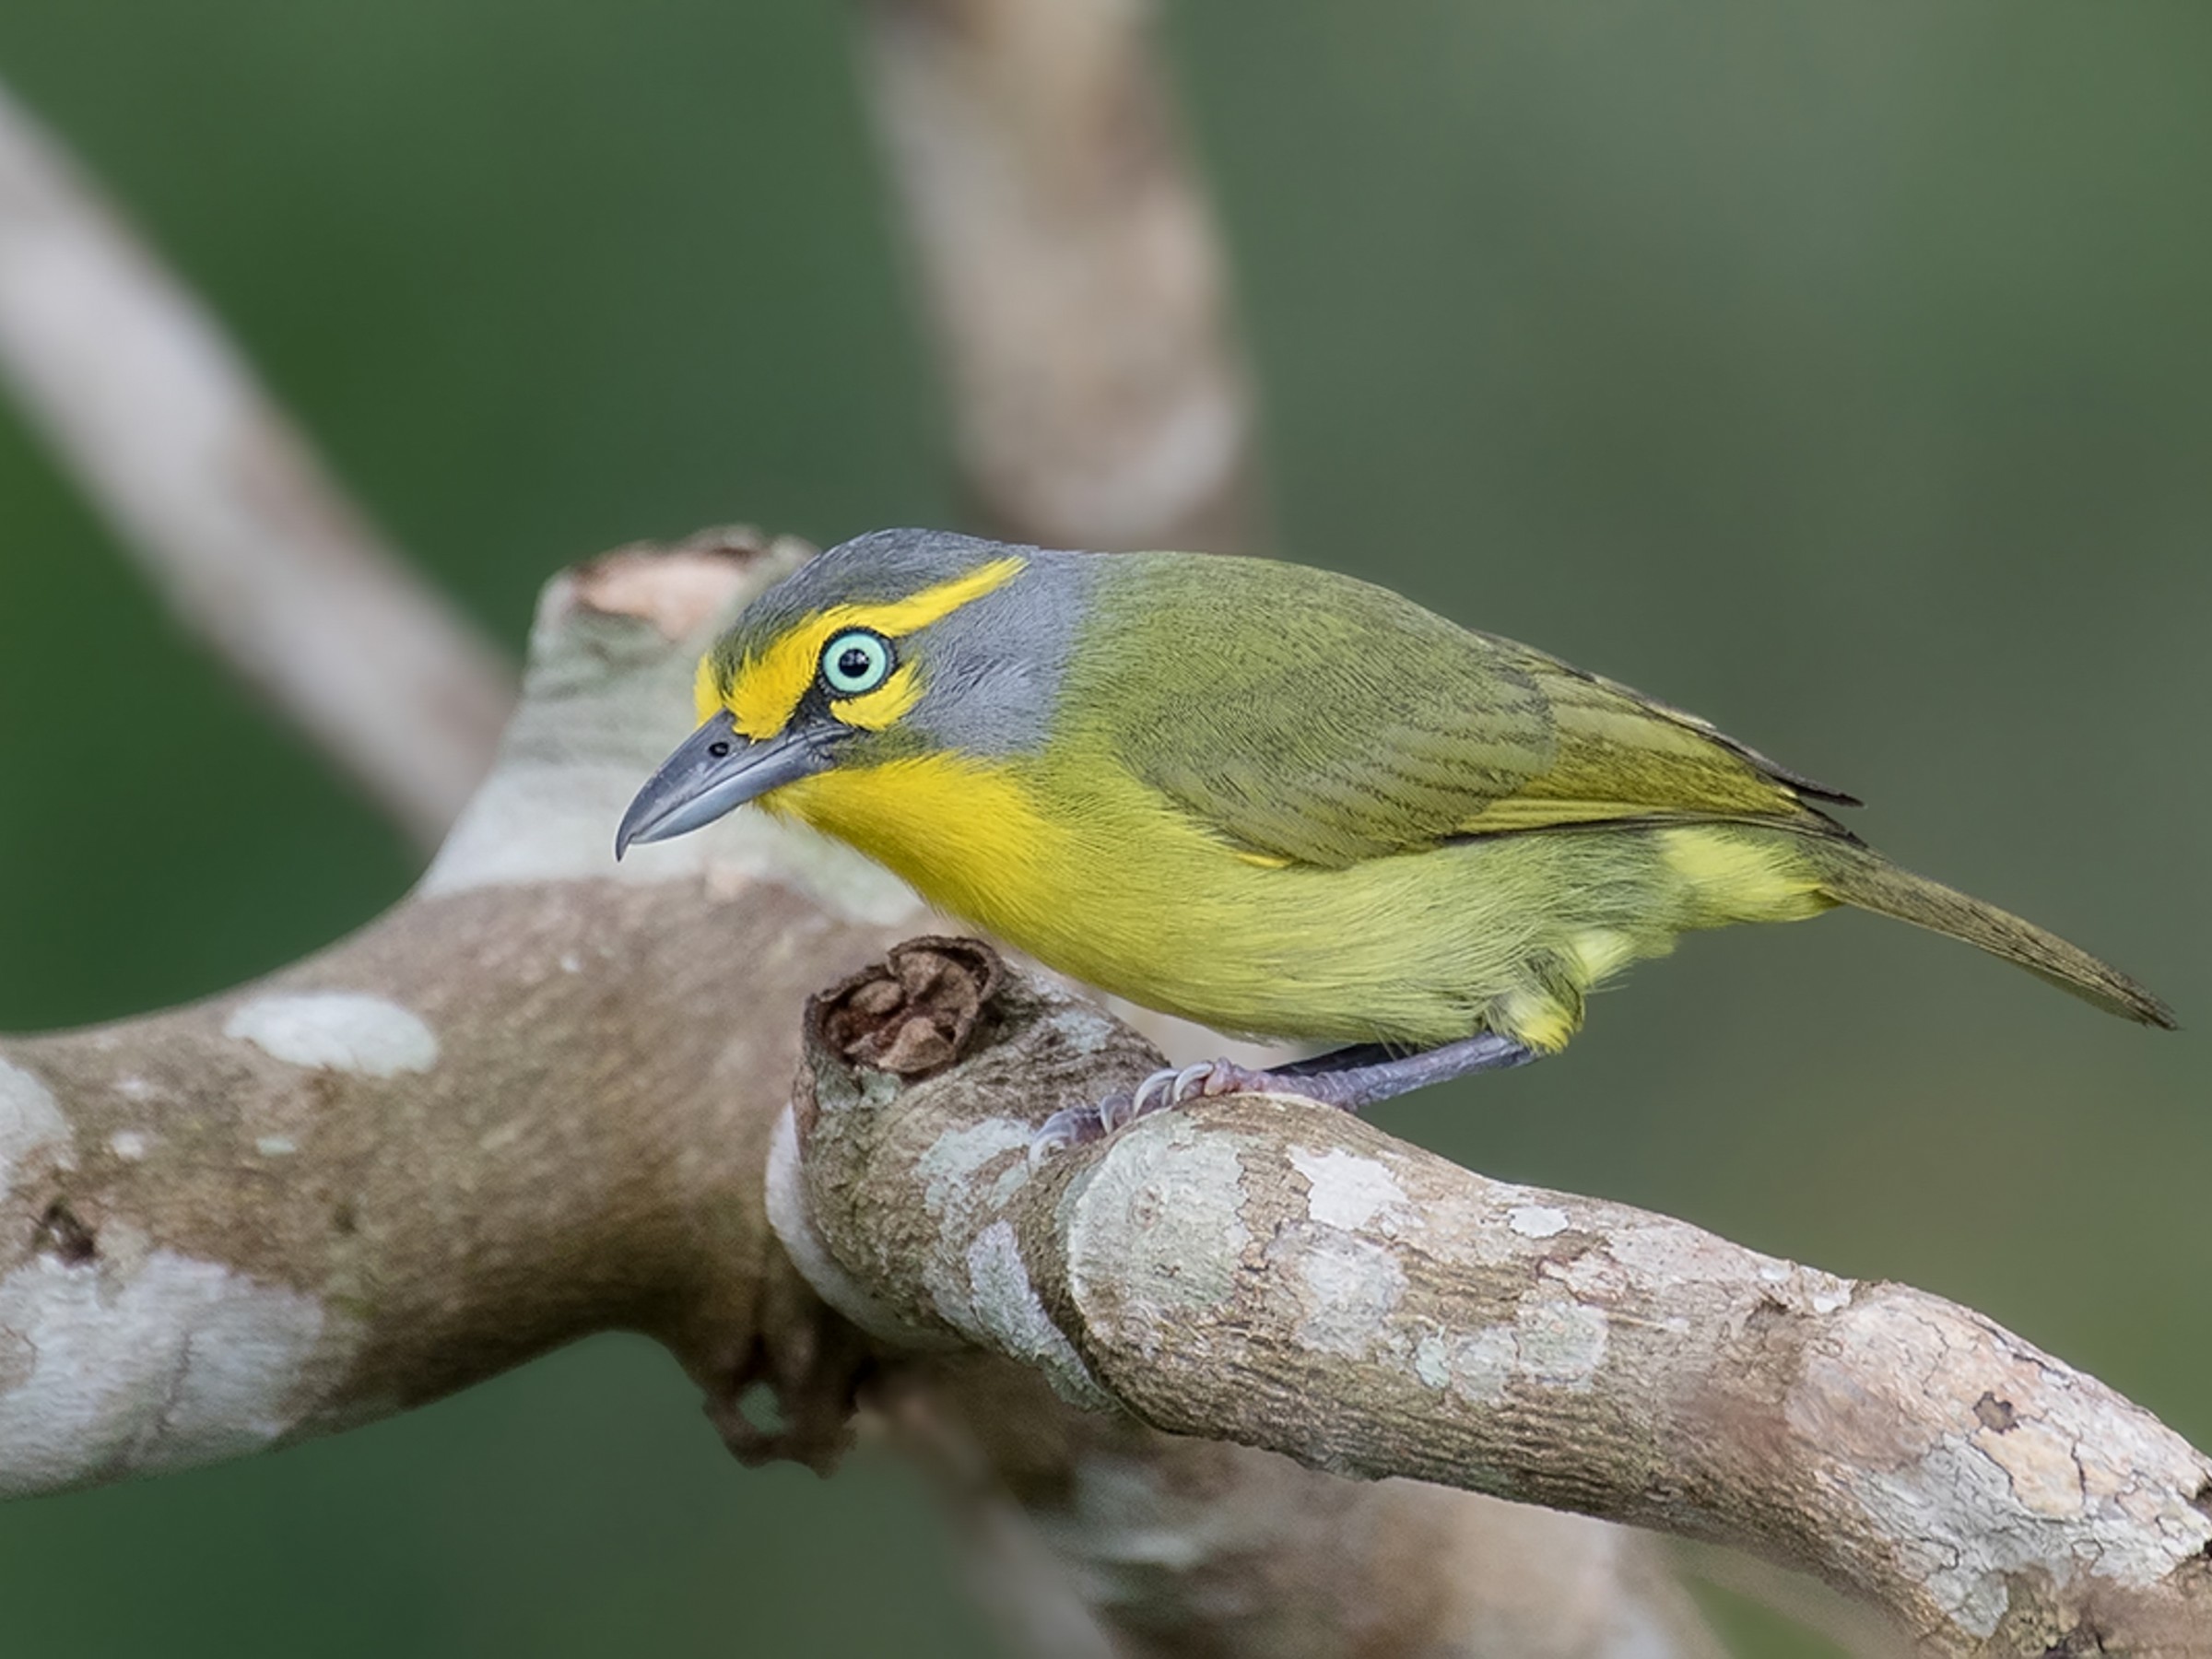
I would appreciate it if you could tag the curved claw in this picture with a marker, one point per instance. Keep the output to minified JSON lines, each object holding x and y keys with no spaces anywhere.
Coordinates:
{"x":1141,"y":1102}
{"x":1118,"y":1109}
{"x":1065,"y":1130}
{"x":1164,"y":1089}
{"x":1189,"y":1082}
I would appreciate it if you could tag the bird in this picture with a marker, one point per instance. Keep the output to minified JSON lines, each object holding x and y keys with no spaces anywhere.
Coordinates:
{"x":1276,"y":800}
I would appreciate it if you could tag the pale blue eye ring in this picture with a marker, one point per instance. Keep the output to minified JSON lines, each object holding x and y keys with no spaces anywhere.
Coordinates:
{"x":856,"y":662}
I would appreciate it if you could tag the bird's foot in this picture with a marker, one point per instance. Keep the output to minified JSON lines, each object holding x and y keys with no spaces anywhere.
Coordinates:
{"x":1079,"y":1126}
{"x":1350,"y":1077}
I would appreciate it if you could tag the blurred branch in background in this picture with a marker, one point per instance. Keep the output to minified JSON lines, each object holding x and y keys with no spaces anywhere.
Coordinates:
{"x":1072,"y":268}
{"x":1165,"y":1544}
{"x":226,"y":507}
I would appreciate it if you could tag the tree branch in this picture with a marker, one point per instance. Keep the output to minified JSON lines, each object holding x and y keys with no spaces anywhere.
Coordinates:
{"x":1167,"y":1544}
{"x":224,"y":504}
{"x":1274,"y":1274}
{"x":1071,"y":267}
{"x":531,"y":1104}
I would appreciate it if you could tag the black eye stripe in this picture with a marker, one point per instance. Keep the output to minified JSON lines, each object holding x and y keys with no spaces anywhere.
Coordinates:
{"x":856,"y":662}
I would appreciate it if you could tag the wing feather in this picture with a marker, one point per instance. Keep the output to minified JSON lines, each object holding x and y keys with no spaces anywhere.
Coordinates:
{"x":1339,"y":722}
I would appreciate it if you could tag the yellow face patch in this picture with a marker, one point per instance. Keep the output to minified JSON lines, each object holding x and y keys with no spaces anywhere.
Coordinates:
{"x":766,"y":689}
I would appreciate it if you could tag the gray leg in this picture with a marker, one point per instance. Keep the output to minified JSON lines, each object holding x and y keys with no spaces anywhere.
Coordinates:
{"x":1358,"y":1077}
{"x":1352,"y":1078}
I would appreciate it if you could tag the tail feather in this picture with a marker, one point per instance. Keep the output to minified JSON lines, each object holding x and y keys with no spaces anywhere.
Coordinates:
{"x":1856,"y":876}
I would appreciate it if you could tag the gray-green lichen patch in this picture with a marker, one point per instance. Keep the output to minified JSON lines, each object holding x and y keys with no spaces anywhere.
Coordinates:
{"x":1347,"y":1191}
{"x":1154,"y":1226}
{"x":337,"y":1031}
{"x":792,"y":1219}
{"x":1537,"y":1221}
{"x":2055,"y":1473}
{"x":857,"y":1088}
{"x":1553,"y":1341}
{"x":135,"y":1367}
{"x":956,"y":1196}
{"x":1350,"y":1290}
{"x":952,"y":1167}
{"x":1562,"y":1341}
{"x":1433,"y":1360}
{"x":1009,"y":1314}
{"x":1480,"y":1364}
{"x":31,"y":1122}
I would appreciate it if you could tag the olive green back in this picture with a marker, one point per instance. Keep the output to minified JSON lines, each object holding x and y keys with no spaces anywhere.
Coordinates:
{"x":1314,"y":718}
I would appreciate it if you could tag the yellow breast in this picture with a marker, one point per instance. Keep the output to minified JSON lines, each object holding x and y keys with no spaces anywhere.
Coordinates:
{"x":968,"y":835}
{"x":1083,"y":868}
{"x":1097,"y":876}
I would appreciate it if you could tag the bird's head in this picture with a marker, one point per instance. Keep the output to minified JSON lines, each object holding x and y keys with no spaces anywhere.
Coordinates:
{"x":898,"y":643}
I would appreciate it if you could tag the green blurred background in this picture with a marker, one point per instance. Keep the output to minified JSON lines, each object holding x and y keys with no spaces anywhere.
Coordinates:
{"x":1844,"y":373}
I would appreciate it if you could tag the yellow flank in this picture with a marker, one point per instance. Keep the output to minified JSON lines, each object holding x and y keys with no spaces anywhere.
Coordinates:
{"x":1090,"y":871}
{"x":767,"y":687}
{"x":1543,"y":1022}
{"x":1743,"y":876}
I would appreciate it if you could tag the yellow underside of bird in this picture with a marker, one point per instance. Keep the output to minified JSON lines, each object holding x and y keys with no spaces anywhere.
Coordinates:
{"x":1506,"y":933}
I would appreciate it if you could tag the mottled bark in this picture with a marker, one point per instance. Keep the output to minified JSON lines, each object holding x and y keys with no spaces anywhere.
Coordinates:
{"x":529,"y":1104}
{"x":1272,"y":1273}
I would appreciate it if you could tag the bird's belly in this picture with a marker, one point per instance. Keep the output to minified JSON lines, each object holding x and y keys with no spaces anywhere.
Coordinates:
{"x":1120,"y":891}
{"x":1420,"y":948}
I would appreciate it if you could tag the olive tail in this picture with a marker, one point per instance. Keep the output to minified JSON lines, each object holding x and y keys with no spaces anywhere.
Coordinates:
{"x":1857,"y":876}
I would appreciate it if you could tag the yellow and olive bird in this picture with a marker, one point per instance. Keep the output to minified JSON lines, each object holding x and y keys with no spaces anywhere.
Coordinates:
{"x":1275,"y":800}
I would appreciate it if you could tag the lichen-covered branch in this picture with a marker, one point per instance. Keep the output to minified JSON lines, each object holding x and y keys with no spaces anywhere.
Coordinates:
{"x":1274,"y":1274}
{"x":202,"y":477}
{"x":1070,"y":267}
{"x":529,"y":1104}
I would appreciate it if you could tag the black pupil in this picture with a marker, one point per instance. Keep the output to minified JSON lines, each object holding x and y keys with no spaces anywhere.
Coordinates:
{"x":855,"y":662}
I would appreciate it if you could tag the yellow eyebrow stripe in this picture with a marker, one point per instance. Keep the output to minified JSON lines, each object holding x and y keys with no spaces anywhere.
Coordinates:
{"x":767,"y":688}
{"x":931,"y":604}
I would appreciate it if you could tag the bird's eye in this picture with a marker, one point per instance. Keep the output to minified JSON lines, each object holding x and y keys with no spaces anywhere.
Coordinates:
{"x":856,"y":662}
